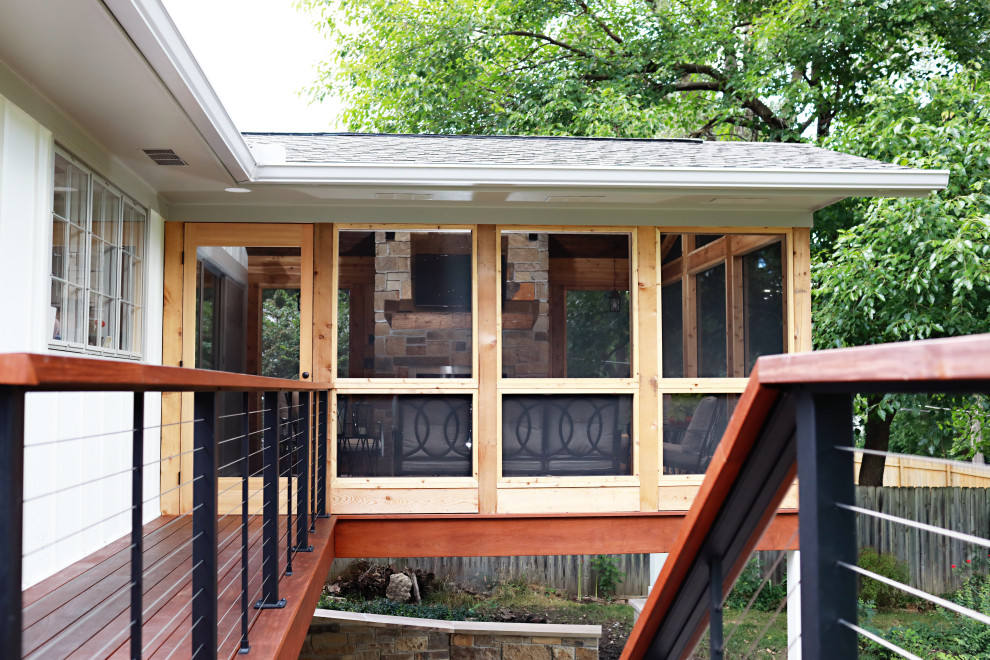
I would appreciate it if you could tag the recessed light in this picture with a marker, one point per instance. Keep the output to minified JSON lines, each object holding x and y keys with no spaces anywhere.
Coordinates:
{"x":238,"y":190}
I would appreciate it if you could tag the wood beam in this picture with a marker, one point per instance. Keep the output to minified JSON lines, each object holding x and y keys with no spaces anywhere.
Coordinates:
{"x":535,"y":534}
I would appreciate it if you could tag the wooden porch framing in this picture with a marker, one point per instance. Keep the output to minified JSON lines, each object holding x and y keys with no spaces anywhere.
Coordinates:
{"x":646,"y":489}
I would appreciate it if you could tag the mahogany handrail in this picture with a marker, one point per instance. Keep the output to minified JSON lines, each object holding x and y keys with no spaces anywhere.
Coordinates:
{"x":767,"y":419}
{"x":42,"y":372}
{"x":287,"y":433}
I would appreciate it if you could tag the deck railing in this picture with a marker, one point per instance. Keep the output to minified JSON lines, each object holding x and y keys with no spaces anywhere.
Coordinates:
{"x":796,"y":418}
{"x":203,"y":576}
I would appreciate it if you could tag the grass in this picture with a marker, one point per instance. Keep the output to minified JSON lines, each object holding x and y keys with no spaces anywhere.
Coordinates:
{"x":773,"y":643}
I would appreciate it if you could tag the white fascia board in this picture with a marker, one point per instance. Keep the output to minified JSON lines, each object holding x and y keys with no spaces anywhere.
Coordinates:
{"x":151,"y":29}
{"x":889,"y":181}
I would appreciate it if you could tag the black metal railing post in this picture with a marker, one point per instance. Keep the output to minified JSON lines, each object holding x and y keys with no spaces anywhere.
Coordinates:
{"x":321,"y":451}
{"x":269,"y":525}
{"x":292,"y":428}
{"x":716,"y":644}
{"x":137,"y":525}
{"x":11,"y":515}
{"x":827,"y":532}
{"x":245,"y":473}
{"x":314,"y":427}
{"x":204,"y":515}
{"x":302,"y":476}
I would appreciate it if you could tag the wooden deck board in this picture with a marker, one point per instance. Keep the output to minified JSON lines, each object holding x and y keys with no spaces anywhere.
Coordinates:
{"x":83,"y":611}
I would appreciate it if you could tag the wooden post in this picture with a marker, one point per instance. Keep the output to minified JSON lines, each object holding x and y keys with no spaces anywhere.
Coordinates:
{"x":324,"y":305}
{"x":486,"y":435}
{"x":171,"y":357}
{"x":801,"y":259}
{"x":648,"y":433}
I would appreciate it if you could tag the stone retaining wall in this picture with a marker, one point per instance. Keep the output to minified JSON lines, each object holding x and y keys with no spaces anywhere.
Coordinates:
{"x":350,"y":636}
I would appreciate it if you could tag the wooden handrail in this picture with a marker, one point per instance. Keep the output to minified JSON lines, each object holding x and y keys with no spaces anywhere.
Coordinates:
{"x":939,"y":364}
{"x":37,"y":372}
{"x":931,"y":360}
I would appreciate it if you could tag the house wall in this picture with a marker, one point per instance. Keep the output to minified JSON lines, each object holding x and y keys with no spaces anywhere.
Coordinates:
{"x":27,"y":142}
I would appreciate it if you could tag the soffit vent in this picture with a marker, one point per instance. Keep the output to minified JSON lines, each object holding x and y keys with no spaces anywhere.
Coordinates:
{"x":164,"y":157}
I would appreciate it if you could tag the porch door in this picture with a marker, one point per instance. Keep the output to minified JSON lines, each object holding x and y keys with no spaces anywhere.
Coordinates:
{"x":247,"y":308}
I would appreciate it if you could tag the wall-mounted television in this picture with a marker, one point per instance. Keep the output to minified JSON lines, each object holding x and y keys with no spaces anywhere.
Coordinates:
{"x":442,"y":281}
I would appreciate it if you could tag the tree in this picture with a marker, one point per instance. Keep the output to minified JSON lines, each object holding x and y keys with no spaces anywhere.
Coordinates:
{"x":760,"y":69}
{"x":280,"y":333}
{"x":913,"y":268}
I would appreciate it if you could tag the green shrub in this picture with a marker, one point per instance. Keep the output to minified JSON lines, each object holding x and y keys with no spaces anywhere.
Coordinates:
{"x":884,"y":596}
{"x":749,"y":581}
{"x":607,"y":575}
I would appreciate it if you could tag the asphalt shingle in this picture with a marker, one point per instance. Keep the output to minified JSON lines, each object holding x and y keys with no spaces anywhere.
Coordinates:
{"x":367,"y":148}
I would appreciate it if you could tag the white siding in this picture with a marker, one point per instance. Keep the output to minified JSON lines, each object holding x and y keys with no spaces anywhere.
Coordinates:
{"x":101,"y":420}
{"x":25,"y":201}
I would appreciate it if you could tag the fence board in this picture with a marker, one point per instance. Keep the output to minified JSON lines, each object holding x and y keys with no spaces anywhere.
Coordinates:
{"x":559,"y":572}
{"x":929,"y":556}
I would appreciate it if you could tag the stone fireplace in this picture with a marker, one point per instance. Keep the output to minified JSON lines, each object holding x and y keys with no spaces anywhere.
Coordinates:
{"x":414,"y":341}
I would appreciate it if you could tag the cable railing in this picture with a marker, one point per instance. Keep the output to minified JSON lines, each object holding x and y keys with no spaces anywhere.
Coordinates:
{"x":105,"y":572}
{"x":796,"y":419}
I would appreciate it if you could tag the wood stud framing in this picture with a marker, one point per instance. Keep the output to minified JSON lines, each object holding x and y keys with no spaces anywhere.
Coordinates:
{"x":322,"y":274}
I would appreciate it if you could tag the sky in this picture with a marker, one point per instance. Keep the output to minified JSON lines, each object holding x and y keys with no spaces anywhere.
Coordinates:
{"x":258,"y":55}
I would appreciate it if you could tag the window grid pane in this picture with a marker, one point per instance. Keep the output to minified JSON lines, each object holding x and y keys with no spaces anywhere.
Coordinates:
{"x":96,"y":298}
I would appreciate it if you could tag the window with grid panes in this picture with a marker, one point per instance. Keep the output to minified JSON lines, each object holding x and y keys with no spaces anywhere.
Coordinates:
{"x":96,"y":303}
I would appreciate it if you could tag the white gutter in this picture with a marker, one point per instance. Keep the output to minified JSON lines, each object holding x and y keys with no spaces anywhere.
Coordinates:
{"x":534,"y":176}
{"x":151,"y":29}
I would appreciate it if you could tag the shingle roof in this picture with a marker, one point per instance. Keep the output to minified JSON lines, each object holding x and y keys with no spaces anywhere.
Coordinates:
{"x":367,"y":148}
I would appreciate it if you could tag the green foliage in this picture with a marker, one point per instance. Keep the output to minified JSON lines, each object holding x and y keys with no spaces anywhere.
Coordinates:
{"x":947,"y":636}
{"x":914,"y":268}
{"x":343,"y":332}
{"x":280,"y":333}
{"x":750,"y":580}
{"x":911,"y":268}
{"x":641,"y":68}
{"x":607,"y":575}
{"x":942,"y":425}
{"x":883,"y":596}
{"x":597,"y":338}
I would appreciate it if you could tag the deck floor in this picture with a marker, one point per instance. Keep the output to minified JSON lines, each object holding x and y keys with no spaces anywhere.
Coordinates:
{"x":83,"y":610}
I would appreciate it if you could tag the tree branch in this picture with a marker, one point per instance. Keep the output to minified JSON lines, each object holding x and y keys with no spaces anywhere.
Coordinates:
{"x":700,"y":69}
{"x":614,"y":37}
{"x":549,"y":40}
{"x":761,"y":110}
{"x":698,"y":86}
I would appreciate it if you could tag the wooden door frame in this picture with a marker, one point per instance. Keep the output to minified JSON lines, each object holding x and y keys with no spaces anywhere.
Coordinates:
{"x":183,"y":310}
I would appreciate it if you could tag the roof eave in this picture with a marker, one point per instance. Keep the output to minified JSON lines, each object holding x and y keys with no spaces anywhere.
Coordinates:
{"x":151,"y":29}
{"x":882,"y":181}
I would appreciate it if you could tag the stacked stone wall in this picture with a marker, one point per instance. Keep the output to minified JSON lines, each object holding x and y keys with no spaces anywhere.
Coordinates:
{"x":526,"y":349}
{"x":346,"y":636}
{"x":410,"y":342}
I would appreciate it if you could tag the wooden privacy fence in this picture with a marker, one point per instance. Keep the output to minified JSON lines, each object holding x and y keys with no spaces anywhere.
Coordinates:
{"x":929,"y":556}
{"x":558,"y":572}
{"x":921,"y":472}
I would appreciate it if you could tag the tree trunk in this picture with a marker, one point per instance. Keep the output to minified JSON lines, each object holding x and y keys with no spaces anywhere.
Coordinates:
{"x":877,"y":435}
